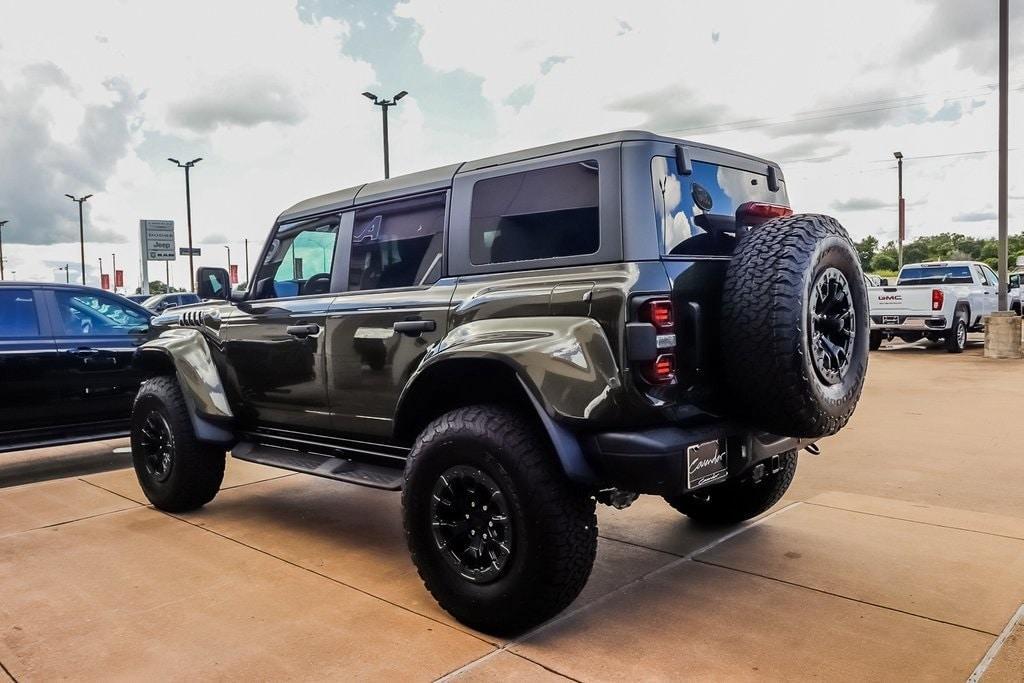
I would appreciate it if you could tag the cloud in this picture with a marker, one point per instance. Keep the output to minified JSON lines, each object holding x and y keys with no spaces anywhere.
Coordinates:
{"x":861,"y":204}
{"x":247,"y":101}
{"x":968,"y":29}
{"x":671,"y":108}
{"x":39,"y":169}
{"x":975,"y":216}
{"x":813,"y":150}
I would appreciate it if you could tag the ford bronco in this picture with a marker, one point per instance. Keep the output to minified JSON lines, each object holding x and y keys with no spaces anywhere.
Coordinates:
{"x":512,"y":340}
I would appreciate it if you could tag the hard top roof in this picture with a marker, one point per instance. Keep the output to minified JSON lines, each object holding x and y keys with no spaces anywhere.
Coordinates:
{"x":441,"y":177}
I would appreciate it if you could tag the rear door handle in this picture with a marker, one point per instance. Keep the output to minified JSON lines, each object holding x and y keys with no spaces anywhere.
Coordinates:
{"x":84,"y":351}
{"x":414,"y":328}
{"x":304,"y":330}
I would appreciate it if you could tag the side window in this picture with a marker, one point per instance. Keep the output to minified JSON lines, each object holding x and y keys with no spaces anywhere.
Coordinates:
{"x":84,"y":313}
{"x":1014,"y":281}
{"x":981,"y":275}
{"x":397,"y":244}
{"x":18,"y":314}
{"x":300,"y":259}
{"x":541,"y":214}
{"x":993,"y":279}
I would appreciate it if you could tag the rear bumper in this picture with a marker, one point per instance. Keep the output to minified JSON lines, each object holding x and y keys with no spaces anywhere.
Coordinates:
{"x":909,"y":323}
{"x":654,"y":460}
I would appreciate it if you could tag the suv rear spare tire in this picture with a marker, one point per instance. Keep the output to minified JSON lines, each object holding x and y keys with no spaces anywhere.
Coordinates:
{"x":795,"y":326}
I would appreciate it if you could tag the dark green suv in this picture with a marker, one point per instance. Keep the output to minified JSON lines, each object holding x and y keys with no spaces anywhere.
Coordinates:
{"x":512,"y":340}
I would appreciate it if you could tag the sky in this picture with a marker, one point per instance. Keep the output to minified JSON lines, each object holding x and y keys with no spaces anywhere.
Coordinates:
{"x":95,"y":96}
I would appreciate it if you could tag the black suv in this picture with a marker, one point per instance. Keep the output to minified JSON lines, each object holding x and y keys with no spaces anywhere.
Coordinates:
{"x":66,"y":363}
{"x":513,"y":339}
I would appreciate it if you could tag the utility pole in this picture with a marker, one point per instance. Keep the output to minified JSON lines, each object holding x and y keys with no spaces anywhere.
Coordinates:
{"x":1004,"y":76}
{"x":902,"y":209}
{"x":2,"y":224}
{"x":384,"y":104}
{"x":188,"y":212}
{"x":81,"y":227}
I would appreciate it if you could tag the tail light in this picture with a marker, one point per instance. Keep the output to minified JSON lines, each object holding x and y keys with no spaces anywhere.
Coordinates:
{"x":938,"y":297}
{"x":660,"y":314}
{"x":755,"y":213}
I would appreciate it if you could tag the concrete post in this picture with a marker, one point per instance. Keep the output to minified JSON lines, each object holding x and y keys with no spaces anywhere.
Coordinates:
{"x":1002,"y":335}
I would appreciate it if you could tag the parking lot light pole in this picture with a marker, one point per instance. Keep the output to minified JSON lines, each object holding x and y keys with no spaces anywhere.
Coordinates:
{"x":2,"y":224}
{"x":902,"y":209}
{"x":229,"y":260}
{"x":384,"y":104}
{"x":113,"y":273}
{"x":1004,"y":75}
{"x":67,"y":272}
{"x":100,"y":259}
{"x":188,"y":214}
{"x":81,"y":227}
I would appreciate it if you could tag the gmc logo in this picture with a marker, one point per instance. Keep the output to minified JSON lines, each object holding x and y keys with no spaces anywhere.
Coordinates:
{"x":890,"y":298}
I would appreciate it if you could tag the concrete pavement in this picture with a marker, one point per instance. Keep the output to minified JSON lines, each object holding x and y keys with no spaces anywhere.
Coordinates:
{"x":896,"y":555}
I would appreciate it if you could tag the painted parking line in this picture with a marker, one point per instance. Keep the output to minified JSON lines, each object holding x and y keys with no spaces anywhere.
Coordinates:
{"x":990,"y":656}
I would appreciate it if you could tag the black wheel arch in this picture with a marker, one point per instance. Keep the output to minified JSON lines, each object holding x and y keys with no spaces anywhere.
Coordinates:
{"x":459,"y":382}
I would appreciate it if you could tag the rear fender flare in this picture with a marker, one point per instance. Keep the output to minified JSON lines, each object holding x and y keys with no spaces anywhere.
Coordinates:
{"x":565,"y":366}
{"x":188,"y":353}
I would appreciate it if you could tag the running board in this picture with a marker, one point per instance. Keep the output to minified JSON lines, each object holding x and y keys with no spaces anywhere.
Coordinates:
{"x":341,"y":469}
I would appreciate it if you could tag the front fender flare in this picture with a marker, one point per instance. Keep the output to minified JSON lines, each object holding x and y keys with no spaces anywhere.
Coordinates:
{"x":200,"y":383}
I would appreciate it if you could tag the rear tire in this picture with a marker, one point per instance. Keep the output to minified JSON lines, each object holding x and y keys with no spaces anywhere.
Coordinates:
{"x":794,"y":327}
{"x":177,"y":472}
{"x":504,"y":569}
{"x":737,"y":501}
{"x":875,"y":342}
{"x":956,"y":340}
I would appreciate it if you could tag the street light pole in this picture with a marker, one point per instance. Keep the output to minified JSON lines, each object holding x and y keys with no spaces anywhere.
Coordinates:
{"x":67,"y":272}
{"x":188,"y":212}
{"x":229,"y":260}
{"x":247,"y":273}
{"x":113,"y":273}
{"x":384,"y":104}
{"x":81,"y":227}
{"x":903,"y":210}
{"x":1004,"y":74}
{"x":2,"y":224}
{"x":101,"y":271}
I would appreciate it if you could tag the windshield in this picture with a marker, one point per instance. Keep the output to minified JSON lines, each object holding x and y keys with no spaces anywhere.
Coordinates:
{"x":935,"y":275}
{"x":697,"y":212}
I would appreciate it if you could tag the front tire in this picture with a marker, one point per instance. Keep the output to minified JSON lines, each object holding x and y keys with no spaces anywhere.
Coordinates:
{"x":737,"y":501}
{"x":177,"y":472}
{"x":499,"y":535}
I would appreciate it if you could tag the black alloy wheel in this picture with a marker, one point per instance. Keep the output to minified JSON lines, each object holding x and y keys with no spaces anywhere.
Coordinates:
{"x":471,"y":525}
{"x":157,"y":446}
{"x":833,"y":325}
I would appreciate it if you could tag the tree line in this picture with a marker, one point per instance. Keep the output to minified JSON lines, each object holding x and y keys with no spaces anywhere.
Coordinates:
{"x":946,"y":246}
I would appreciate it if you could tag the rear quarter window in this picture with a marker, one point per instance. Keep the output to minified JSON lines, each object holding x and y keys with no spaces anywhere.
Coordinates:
{"x":544,"y":213}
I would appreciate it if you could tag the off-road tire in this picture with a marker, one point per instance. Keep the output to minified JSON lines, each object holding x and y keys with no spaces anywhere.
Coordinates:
{"x":554,"y":527}
{"x":737,"y":501}
{"x":766,"y":327}
{"x":875,"y":341}
{"x":956,"y":340}
{"x":196,"y":469}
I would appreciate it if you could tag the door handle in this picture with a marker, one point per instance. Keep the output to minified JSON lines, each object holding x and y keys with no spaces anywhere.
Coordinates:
{"x":302,"y":331}
{"x":414,"y":328}
{"x":84,"y":351}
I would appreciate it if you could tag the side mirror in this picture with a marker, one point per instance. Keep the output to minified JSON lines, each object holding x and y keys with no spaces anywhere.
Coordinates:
{"x":212,"y":283}
{"x":883,"y":282}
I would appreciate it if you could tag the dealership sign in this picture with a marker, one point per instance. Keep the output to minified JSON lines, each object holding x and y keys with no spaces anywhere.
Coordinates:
{"x":157,"y":240}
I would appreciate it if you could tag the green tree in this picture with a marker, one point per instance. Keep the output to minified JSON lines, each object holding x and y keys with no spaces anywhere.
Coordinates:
{"x":883,"y":261}
{"x":866,"y":249}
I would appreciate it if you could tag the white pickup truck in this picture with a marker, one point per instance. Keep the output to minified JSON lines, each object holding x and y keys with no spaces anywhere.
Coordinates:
{"x":938,"y":301}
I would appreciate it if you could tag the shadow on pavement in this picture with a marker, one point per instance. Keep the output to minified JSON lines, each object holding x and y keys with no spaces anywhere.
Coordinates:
{"x":57,"y":462}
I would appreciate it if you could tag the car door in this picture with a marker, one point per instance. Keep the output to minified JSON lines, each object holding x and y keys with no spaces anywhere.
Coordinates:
{"x":987,"y":295}
{"x":992,"y":290}
{"x":395,"y":307}
{"x":274,"y":342}
{"x":28,"y":363}
{"x":96,"y":336}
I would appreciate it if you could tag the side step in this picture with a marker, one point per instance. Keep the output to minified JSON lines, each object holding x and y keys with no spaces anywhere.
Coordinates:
{"x":342,"y":469}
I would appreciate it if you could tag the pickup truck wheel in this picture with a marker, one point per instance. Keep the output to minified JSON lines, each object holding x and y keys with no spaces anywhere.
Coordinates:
{"x":177,"y":472}
{"x":956,"y":339}
{"x":794,"y":326}
{"x":875,"y":341}
{"x":740,"y":500}
{"x":499,"y":535}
